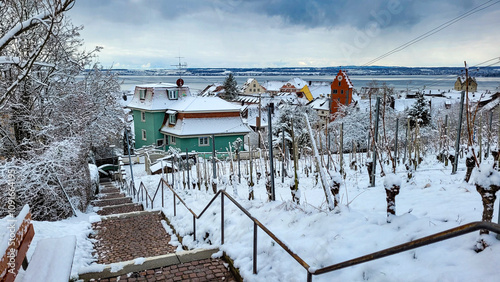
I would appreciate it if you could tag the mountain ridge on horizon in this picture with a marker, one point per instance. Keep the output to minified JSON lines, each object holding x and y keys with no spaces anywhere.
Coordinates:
{"x":489,"y":71}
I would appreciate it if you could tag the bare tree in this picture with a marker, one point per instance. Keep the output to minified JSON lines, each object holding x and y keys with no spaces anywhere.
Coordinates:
{"x":51,"y":119}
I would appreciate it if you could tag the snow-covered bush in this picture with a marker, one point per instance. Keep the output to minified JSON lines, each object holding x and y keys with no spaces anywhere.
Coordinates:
{"x":42,"y":181}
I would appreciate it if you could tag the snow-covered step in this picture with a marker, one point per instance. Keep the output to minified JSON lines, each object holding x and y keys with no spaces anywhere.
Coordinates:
{"x":112,"y":201}
{"x":116,"y":209}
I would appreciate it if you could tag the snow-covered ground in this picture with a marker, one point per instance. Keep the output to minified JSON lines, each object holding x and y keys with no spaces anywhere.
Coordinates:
{"x":432,"y":201}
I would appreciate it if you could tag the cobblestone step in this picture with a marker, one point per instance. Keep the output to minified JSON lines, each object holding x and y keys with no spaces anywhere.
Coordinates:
{"x":107,"y":190}
{"x":201,"y":270}
{"x":111,"y":201}
{"x":124,"y":208}
{"x":110,"y":195}
{"x":126,"y":238}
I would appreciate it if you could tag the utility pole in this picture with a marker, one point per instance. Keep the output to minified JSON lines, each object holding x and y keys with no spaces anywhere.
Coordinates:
{"x":187,"y":168}
{"x":259,"y":120}
{"x":283,"y":160}
{"x":396,"y":140}
{"x":457,"y":142}
{"x":130,"y":160}
{"x":214,"y":166}
{"x":375,"y":138}
{"x":271,"y":161}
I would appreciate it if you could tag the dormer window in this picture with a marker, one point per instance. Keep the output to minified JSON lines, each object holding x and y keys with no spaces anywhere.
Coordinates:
{"x":142,"y":94}
{"x":172,"y":116}
{"x":173,"y":94}
{"x":172,"y":119}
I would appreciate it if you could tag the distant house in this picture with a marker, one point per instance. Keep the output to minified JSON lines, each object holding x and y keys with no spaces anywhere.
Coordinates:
{"x":341,"y":91}
{"x":252,"y":86}
{"x":461,"y":84}
{"x":212,"y":90}
{"x":191,"y":122}
{"x":148,"y":108}
{"x":322,"y":107}
{"x":294,"y":85}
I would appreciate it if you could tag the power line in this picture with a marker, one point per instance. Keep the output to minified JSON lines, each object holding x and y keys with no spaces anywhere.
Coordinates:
{"x":433,"y":31}
{"x":437,"y":80}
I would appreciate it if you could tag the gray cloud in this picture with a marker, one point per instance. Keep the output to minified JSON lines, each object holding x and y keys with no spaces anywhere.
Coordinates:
{"x":280,"y":32}
{"x":308,"y":13}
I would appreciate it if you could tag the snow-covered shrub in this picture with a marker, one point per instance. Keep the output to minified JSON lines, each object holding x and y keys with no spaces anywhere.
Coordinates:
{"x":42,"y":181}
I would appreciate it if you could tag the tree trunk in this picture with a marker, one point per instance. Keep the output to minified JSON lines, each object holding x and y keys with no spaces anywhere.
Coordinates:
{"x":488,"y":195}
{"x":469,"y":163}
{"x":268,"y":187}
{"x":391,"y":193}
{"x":335,"y":189}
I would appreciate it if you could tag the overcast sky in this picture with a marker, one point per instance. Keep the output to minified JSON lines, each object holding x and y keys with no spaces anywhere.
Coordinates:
{"x":285,"y":33}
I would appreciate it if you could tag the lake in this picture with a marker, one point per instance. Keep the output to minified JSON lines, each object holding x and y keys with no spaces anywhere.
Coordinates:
{"x":399,"y":82}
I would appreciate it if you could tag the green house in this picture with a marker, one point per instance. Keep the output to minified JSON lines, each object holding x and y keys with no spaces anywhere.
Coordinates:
{"x":148,"y":107}
{"x":191,"y":122}
{"x":166,"y":115}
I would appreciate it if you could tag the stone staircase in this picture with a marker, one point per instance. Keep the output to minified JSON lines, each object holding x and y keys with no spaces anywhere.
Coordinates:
{"x":133,"y":245}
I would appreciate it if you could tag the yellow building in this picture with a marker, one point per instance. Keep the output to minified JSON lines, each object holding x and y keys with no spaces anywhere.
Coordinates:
{"x":251,"y":86}
{"x":461,"y":84}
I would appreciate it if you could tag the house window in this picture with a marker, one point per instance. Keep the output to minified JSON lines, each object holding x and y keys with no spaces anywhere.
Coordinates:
{"x":335,"y":91}
{"x":144,"y":134}
{"x":172,"y":140}
{"x":173,"y":94}
{"x":339,"y":83}
{"x":341,"y":92}
{"x":143,"y":116}
{"x":159,"y":143}
{"x":142,"y":94}
{"x":172,"y":118}
{"x":203,"y":141}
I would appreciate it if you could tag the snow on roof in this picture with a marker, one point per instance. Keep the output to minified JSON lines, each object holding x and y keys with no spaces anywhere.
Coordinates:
{"x":159,"y":100}
{"x":273,"y":85}
{"x":492,"y":104}
{"x":157,"y":85}
{"x":212,"y":89}
{"x":318,"y":90}
{"x":248,"y":99}
{"x":203,"y":104}
{"x":206,"y":126}
{"x":463,"y":79}
{"x":298,"y":82}
{"x":347,"y":79}
{"x":320,"y":104}
{"x":249,"y":80}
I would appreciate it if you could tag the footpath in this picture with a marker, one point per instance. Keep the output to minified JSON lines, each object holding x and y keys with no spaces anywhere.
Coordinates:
{"x":133,"y":245}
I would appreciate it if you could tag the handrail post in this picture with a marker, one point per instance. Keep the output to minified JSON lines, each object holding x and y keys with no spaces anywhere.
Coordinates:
{"x":309,"y":276}
{"x":222,"y":218}
{"x":162,"y":197}
{"x":175,"y":211}
{"x":254,"y":248}
{"x":194,"y":227}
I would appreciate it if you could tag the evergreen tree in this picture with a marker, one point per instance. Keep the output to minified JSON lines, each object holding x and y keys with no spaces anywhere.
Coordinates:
{"x":231,"y":88}
{"x":420,"y":112}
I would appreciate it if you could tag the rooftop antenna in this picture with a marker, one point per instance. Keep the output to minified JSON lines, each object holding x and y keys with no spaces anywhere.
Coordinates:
{"x":180,"y":68}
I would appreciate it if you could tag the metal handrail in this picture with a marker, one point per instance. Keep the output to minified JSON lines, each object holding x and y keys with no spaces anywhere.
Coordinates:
{"x":428,"y":240}
{"x":142,"y":190}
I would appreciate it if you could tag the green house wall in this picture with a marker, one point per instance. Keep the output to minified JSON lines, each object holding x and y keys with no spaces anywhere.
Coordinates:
{"x":222,"y":143}
{"x":152,"y":125}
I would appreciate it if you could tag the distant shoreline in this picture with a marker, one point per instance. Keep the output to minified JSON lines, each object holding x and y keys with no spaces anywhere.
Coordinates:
{"x":491,"y":71}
